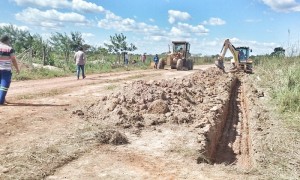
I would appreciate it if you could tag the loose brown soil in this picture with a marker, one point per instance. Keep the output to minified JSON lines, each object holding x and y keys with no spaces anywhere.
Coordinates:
{"x":152,"y":124}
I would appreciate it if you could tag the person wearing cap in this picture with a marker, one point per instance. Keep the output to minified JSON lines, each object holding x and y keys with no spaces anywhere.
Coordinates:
{"x":7,"y":59}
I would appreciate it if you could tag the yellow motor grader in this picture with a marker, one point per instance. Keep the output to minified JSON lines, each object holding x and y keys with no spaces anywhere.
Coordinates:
{"x":179,"y":59}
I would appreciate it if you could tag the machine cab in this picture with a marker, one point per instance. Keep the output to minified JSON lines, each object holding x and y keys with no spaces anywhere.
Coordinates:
{"x":181,"y":47}
{"x":243,"y":54}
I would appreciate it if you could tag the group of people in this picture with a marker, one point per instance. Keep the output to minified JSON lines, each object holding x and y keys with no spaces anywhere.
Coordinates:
{"x":126,"y":58}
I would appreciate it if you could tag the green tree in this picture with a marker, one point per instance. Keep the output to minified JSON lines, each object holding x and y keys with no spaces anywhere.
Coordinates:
{"x":278,"y":52}
{"x":119,"y":45}
{"x":41,"y":50}
{"x":62,"y":43}
{"x":77,"y":40}
{"x":20,"y":39}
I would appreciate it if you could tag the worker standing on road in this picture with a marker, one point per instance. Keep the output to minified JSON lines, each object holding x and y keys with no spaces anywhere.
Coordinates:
{"x":144,"y":58}
{"x":126,"y":58}
{"x":155,"y":59}
{"x":80,"y":60}
{"x":7,"y":57}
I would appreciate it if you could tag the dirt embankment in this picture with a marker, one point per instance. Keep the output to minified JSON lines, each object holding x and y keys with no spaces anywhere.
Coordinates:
{"x":210,"y":102}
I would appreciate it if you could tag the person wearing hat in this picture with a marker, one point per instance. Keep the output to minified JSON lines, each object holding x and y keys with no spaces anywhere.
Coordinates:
{"x":7,"y":59}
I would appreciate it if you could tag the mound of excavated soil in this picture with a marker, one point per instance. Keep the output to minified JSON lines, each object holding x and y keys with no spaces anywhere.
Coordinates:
{"x":192,"y":99}
{"x":200,"y":100}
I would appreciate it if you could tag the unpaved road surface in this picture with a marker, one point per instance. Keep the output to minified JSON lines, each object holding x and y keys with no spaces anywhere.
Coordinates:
{"x":46,"y":132}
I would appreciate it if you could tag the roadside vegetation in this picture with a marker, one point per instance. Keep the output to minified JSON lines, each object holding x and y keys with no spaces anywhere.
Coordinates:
{"x":280,"y":77}
{"x":40,"y":58}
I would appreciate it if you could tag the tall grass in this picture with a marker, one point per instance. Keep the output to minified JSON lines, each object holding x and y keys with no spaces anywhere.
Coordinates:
{"x":39,"y":73}
{"x":204,"y":60}
{"x":282,"y":75}
{"x":70,"y":69}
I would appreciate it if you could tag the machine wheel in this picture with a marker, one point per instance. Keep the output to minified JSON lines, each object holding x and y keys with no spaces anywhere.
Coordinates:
{"x":161,"y":64}
{"x":189,"y":64}
{"x":192,"y":65}
{"x":179,"y":64}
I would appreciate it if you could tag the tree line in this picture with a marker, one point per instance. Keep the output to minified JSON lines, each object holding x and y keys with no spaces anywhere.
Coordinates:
{"x":61,"y":45}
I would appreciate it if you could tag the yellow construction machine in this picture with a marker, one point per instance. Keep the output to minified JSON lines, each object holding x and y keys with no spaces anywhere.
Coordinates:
{"x":179,"y":59}
{"x":241,"y":61}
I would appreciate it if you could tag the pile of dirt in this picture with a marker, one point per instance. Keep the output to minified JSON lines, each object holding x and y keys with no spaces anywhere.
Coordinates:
{"x":200,"y":100}
{"x":146,"y":103}
{"x":111,"y":137}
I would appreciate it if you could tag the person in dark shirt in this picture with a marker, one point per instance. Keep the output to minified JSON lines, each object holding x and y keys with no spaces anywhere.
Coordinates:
{"x":155,"y":59}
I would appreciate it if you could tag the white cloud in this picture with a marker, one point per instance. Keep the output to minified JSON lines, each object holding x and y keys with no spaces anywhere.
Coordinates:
{"x":184,"y":30}
{"x":112,"y":21}
{"x":177,"y":32}
{"x":283,"y":5}
{"x":214,"y":21}
{"x":87,"y":35}
{"x":23,"y":28}
{"x":84,"y":6}
{"x":49,"y":18}
{"x":151,"y":20}
{"x":178,"y":15}
{"x":78,"y":5}
{"x":112,"y":16}
{"x":199,"y":29}
{"x":155,"y":38}
{"x":44,"y":3}
{"x":180,"y":30}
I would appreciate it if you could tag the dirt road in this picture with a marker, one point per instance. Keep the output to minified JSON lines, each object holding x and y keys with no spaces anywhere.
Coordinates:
{"x":41,"y":135}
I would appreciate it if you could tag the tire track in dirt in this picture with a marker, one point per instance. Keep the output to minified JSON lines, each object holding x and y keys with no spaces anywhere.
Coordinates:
{"x":234,"y":145}
{"x":50,"y":87}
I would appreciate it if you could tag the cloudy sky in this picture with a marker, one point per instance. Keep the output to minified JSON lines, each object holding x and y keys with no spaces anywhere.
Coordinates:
{"x":152,"y":24}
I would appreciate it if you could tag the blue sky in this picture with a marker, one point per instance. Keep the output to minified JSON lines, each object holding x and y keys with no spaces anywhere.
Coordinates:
{"x":152,"y":24}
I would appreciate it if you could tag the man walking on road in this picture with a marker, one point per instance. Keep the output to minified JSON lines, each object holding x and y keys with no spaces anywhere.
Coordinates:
{"x":80,"y":59}
{"x":7,"y":57}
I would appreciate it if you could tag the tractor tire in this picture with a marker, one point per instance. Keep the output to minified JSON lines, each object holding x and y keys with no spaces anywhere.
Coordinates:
{"x":179,"y":64}
{"x":161,"y":64}
{"x":189,"y":64}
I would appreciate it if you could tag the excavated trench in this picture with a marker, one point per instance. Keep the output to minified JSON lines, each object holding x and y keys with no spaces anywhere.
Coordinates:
{"x":214,"y":102}
{"x":230,"y":141}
